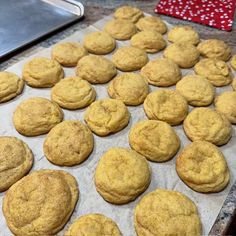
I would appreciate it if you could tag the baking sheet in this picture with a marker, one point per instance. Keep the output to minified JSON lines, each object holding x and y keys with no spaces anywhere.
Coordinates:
{"x":163,"y":174}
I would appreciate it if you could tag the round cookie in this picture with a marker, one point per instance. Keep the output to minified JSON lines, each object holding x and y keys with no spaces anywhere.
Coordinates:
{"x":131,"y":88}
{"x":122,"y":175}
{"x":73,"y":93}
{"x":40,"y":203}
{"x":234,"y":84}
{"x":183,"y":34}
{"x":68,"y":53}
{"x":233,"y":62}
{"x":196,"y":89}
{"x":10,"y":86}
{"x":107,"y":116}
{"x":225,"y":103}
{"x":120,"y":29}
{"x":95,"y":69}
{"x":149,"y":41}
{"x":99,"y":43}
{"x":156,"y":140}
{"x":151,"y":23}
{"x":95,"y":225}
{"x":16,"y":160}
{"x":128,"y":13}
{"x":216,"y":71}
{"x":129,"y":58}
{"x":184,"y":54}
{"x":161,"y":72}
{"x":166,"y":212}
{"x":68,"y":143}
{"x":208,"y":125}
{"x":214,"y":48}
{"x":166,"y":105}
{"x":36,"y":116}
{"x":41,"y":72}
{"x":202,"y":166}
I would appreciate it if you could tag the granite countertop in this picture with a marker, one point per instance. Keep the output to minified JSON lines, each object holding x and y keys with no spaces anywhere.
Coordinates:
{"x":95,"y":10}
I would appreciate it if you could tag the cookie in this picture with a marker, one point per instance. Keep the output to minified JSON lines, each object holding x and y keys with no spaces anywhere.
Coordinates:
{"x":202,"y":166}
{"x":128,"y":13}
{"x":166,"y":212}
{"x":99,"y":43}
{"x":156,"y":140}
{"x":183,"y":34}
{"x":214,"y":48}
{"x":233,"y":62}
{"x":207,"y":125}
{"x":161,"y":72}
{"x":216,"y":71}
{"x":149,"y":40}
{"x":73,"y":93}
{"x":225,"y":103}
{"x":185,"y":55}
{"x":10,"y":86}
{"x":36,"y":116}
{"x":166,"y":105}
{"x":129,"y":58}
{"x":95,"y":69}
{"x":107,"y":116}
{"x":40,"y":203}
{"x":196,"y":89}
{"x":68,"y":53}
{"x":122,"y":175}
{"x":151,"y":23}
{"x":131,"y":88}
{"x":120,"y":29}
{"x":41,"y":72}
{"x":68,"y":143}
{"x":95,"y":225}
{"x":16,"y":160}
{"x":234,"y":84}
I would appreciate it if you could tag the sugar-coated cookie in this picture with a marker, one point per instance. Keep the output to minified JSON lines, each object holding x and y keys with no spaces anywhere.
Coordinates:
{"x":128,"y":13}
{"x":233,"y":62}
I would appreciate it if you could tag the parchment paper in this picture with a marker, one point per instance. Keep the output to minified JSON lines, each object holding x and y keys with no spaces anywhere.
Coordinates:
{"x":163,"y":174}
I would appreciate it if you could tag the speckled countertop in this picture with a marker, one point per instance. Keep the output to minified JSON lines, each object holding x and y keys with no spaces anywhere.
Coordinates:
{"x":95,"y":10}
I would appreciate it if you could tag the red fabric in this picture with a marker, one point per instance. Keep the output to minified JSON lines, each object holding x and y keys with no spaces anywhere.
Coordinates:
{"x":215,"y":13}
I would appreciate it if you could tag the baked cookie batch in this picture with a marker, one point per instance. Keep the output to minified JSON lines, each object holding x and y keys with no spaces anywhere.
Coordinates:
{"x":42,"y":202}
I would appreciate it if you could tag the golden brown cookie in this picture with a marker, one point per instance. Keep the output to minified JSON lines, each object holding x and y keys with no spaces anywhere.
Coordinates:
{"x":96,"y":69}
{"x":68,"y":53}
{"x":216,"y":71}
{"x":185,"y":55}
{"x":166,"y":212}
{"x":202,"y":166}
{"x":156,"y":140}
{"x":225,"y":103}
{"x":233,"y":62}
{"x":128,"y":13}
{"x":99,"y":42}
{"x":161,"y":72}
{"x":214,"y":48}
{"x":183,"y":34}
{"x":36,"y":116}
{"x":131,"y":88}
{"x":166,"y":105}
{"x":234,"y":84}
{"x":208,"y":125}
{"x":120,"y":29}
{"x":122,"y":175}
{"x":196,"y":89}
{"x":10,"y":86}
{"x":107,"y":116}
{"x":151,"y":23}
{"x":129,"y":58}
{"x":93,"y":225}
{"x":149,"y":40}
{"x":41,"y":72}
{"x":73,"y":93}
{"x":40,"y":203}
{"x":68,"y":143}
{"x":16,"y":160}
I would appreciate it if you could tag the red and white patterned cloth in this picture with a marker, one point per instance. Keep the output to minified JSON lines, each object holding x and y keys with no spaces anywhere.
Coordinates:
{"x":215,"y":13}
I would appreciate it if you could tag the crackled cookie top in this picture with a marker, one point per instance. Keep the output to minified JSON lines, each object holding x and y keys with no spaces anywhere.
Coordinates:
{"x":128,"y":13}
